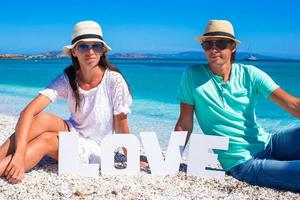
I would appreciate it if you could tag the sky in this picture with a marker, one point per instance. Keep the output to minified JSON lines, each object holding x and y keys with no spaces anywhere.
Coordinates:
{"x":150,"y":26}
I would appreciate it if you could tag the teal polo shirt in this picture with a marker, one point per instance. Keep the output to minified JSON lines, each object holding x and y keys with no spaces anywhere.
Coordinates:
{"x":228,"y":109}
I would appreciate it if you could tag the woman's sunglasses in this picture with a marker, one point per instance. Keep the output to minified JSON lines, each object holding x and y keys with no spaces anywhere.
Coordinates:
{"x":220,"y":44}
{"x":84,"y":48}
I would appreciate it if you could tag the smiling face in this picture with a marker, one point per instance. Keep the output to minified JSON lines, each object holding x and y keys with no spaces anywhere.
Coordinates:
{"x":88,"y":53}
{"x":218,"y":51}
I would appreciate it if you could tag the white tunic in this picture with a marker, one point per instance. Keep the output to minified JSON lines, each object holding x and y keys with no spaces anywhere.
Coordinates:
{"x":94,"y":119}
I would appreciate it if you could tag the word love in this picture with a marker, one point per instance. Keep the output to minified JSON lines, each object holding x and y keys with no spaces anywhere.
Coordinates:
{"x":199,"y":158}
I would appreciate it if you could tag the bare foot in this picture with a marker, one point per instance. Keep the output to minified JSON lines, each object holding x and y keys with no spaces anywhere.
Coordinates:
{"x":144,"y":165}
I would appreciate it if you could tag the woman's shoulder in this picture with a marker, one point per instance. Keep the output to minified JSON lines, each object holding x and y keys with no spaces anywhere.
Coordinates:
{"x":60,"y":79}
{"x":113,"y":73}
{"x":114,"y":76}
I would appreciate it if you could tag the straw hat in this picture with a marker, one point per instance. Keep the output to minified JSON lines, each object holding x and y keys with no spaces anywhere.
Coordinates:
{"x":218,"y":29}
{"x":88,"y":31}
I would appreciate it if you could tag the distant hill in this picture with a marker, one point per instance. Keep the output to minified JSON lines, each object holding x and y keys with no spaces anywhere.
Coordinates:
{"x":181,"y":55}
{"x":188,"y":55}
{"x":49,"y":54}
{"x":197,"y":55}
{"x":12,"y":56}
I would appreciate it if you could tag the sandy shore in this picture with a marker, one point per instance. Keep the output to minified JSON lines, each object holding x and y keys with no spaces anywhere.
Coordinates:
{"x":43,"y":183}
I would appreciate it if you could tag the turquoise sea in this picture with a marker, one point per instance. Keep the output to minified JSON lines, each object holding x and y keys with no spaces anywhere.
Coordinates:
{"x":153,"y":84}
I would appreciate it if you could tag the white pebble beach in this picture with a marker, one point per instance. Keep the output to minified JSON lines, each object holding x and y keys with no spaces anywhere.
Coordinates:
{"x":43,"y":182}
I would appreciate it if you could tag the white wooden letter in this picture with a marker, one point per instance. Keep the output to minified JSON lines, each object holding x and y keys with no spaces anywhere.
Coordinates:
{"x":114,"y":141}
{"x":68,"y":159}
{"x":199,"y":157}
{"x":158,"y":165}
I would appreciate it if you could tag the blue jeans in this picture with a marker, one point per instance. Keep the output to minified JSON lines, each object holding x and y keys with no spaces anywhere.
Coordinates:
{"x":277,"y":166}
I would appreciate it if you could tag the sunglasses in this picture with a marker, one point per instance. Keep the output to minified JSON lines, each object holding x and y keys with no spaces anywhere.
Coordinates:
{"x":84,"y":48}
{"x":220,"y":44}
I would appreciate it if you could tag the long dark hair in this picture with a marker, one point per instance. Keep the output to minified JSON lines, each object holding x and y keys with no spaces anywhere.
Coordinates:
{"x":72,"y":70}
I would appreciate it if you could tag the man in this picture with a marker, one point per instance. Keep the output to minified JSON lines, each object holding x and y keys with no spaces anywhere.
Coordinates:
{"x":223,"y":95}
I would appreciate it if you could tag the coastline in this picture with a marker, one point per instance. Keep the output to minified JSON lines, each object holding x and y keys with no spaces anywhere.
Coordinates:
{"x":43,"y":182}
{"x":12,"y":56}
{"x":198,"y":56}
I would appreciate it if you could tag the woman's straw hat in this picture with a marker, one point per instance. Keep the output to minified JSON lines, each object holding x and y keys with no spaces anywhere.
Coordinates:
{"x":218,"y":29}
{"x":88,"y":31}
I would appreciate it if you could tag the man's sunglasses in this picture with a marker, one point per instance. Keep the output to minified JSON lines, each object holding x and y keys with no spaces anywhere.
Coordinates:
{"x":220,"y":44}
{"x":84,"y":48}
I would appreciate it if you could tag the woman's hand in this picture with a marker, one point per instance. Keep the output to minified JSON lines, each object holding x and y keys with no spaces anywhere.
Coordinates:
{"x":15,"y":170}
{"x":120,"y":123}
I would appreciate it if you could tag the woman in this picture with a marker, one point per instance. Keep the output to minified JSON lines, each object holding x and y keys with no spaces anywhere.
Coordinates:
{"x":97,"y":96}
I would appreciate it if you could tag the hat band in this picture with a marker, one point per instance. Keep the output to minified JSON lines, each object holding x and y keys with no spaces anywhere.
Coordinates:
{"x":219,"y":33}
{"x":85,"y":37}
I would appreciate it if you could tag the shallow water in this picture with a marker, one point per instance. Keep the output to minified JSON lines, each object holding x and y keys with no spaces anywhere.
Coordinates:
{"x":153,"y":84}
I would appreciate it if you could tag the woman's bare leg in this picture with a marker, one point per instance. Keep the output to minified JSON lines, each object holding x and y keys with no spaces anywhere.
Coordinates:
{"x":45,"y":144}
{"x":44,"y":125}
{"x":43,"y":122}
